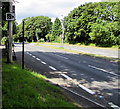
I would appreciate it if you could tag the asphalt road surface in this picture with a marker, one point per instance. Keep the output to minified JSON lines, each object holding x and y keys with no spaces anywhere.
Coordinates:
{"x":94,"y":78}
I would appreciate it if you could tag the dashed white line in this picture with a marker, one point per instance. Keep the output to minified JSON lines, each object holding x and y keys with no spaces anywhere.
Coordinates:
{"x":43,"y":62}
{"x":52,"y":68}
{"x":38,"y":59}
{"x":86,"y":89}
{"x":103,"y":70}
{"x":27,"y":52}
{"x":33,"y":56}
{"x":67,"y":77}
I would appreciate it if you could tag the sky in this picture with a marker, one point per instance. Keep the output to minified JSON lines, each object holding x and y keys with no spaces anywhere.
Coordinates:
{"x":50,"y":8}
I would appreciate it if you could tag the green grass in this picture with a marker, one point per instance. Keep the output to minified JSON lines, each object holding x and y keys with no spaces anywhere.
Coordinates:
{"x":22,"y":88}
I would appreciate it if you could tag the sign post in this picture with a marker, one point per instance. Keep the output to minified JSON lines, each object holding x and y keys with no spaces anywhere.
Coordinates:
{"x":10,"y":36}
{"x":10,"y":16}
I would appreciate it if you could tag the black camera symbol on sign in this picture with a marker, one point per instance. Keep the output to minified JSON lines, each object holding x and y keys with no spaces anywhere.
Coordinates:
{"x":10,"y":16}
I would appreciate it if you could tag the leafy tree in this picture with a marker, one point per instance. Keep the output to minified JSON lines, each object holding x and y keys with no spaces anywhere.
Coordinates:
{"x":56,"y":29}
{"x":94,"y":22}
{"x":35,"y":28}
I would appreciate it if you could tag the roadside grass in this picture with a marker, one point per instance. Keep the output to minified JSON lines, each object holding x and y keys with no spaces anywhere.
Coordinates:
{"x":81,"y":53}
{"x":22,"y":88}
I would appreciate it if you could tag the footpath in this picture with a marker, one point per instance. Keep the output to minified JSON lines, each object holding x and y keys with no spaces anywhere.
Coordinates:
{"x":105,"y":52}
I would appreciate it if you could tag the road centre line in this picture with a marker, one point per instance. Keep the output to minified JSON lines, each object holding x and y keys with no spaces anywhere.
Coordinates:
{"x":33,"y":56}
{"x":30,"y":54}
{"x":38,"y":59}
{"x":27,"y":52}
{"x":86,"y":89}
{"x":103,"y":70}
{"x":43,"y":62}
{"x":67,"y":77}
{"x":52,"y":68}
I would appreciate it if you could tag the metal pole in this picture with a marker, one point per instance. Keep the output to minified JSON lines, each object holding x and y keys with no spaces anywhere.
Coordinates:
{"x":23,"y":46}
{"x":10,"y":36}
{"x":62,"y":36}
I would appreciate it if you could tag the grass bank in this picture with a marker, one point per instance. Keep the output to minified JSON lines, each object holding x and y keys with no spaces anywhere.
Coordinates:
{"x":22,"y":88}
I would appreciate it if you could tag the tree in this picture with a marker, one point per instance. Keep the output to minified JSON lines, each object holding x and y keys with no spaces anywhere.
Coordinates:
{"x":35,"y":28}
{"x":93,"y":22}
{"x":56,"y":30}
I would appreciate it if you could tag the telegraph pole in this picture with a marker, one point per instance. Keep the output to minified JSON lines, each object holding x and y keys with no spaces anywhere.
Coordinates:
{"x":10,"y":35}
{"x":10,"y":16}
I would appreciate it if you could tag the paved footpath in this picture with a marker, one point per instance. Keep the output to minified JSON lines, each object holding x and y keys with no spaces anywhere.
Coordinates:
{"x":108,"y":52}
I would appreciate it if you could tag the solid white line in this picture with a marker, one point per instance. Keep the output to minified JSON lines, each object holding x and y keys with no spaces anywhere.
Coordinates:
{"x":43,"y":62}
{"x":38,"y":59}
{"x":52,"y":68}
{"x":61,"y":56}
{"x":67,"y":77}
{"x":103,"y":70}
{"x":86,"y":89}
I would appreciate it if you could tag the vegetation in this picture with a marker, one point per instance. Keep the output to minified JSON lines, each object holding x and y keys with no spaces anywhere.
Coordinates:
{"x":22,"y":88}
{"x":35,"y":28}
{"x":94,"y":22}
{"x":4,"y":28}
{"x":56,"y":30}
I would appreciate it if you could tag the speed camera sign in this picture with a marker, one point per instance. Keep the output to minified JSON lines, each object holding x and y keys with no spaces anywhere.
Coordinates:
{"x":10,"y":16}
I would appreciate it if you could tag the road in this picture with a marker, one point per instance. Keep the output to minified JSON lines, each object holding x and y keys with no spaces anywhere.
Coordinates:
{"x":107,"y":52}
{"x":94,"y":78}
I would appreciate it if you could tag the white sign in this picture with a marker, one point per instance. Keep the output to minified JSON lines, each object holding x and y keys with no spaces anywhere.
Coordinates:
{"x":10,"y":16}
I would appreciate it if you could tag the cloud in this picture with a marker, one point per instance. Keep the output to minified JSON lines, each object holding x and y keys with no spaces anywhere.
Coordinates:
{"x":50,"y":8}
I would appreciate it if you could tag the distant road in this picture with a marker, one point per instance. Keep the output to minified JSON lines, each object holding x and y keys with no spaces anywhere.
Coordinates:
{"x":82,"y":74}
{"x":108,"y":52}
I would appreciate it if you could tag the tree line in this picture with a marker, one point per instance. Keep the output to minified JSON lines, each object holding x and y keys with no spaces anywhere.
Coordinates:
{"x":96,"y":23}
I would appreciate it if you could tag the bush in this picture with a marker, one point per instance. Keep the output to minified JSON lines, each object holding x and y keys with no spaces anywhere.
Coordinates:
{"x":3,"y":40}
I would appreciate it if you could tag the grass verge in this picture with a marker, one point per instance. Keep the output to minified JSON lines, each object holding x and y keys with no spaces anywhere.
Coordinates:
{"x":22,"y":88}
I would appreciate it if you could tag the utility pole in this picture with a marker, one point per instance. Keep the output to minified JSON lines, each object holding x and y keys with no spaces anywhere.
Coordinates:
{"x":10,"y":35}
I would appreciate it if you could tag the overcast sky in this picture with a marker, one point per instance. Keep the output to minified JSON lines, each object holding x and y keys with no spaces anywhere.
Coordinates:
{"x":50,"y":8}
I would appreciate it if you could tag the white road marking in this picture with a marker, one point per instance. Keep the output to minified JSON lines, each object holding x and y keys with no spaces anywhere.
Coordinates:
{"x":103,"y":70}
{"x":67,"y":77}
{"x":38,"y":59}
{"x":114,"y":106}
{"x":30,"y":54}
{"x":61,"y":56}
{"x":43,"y":62}
{"x":33,"y":56}
{"x":86,"y":89}
{"x":82,"y":96}
{"x":52,"y":68}
{"x":27,"y":52}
